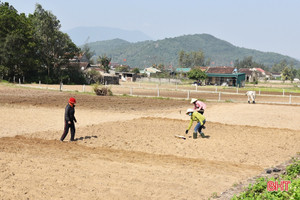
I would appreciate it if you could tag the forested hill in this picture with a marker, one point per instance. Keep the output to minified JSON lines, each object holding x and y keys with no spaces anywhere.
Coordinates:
{"x":166,"y":51}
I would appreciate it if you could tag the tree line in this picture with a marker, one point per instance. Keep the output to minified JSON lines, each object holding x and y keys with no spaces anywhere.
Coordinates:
{"x":33,"y":48}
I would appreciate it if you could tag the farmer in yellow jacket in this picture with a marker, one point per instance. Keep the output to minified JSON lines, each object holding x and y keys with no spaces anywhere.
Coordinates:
{"x":200,"y":119}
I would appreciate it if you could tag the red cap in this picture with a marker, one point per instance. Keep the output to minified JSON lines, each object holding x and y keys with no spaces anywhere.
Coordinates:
{"x":72,"y":100}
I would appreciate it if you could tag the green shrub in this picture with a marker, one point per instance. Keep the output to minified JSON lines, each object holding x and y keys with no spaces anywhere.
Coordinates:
{"x":101,"y":90}
{"x":259,"y":189}
{"x":293,"y":170}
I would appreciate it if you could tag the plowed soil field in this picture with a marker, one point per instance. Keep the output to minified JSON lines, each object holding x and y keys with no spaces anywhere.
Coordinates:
{"x":126,"y":148}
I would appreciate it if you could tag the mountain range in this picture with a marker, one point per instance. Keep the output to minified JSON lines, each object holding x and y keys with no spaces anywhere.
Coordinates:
{"x":146,"y":52}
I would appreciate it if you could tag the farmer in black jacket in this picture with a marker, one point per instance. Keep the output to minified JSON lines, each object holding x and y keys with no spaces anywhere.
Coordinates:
{"x":69,"y":120}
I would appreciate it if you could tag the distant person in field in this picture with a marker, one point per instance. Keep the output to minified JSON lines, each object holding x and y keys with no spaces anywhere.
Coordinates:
{"x":251,"y":95}
{"x":199,"y":118}
{"x":199,"y":106}
{"x":69,"y":120}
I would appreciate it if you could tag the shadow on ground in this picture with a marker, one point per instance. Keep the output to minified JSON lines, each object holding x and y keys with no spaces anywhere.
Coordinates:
{"x":86,"y":137}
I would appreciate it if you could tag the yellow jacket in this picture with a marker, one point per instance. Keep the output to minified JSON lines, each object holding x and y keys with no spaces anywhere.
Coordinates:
{"x":196,"y":117}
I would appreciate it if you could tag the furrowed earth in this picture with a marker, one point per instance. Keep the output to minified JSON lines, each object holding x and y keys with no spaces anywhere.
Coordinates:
{"x":126,"y":148}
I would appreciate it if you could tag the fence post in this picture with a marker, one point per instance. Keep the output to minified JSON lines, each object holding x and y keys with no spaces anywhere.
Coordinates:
{"x":259,"y":91}
{"x":216,"y":89}
{"x":157,"y":92}
{"x":131,"y":91}
{"x":290,"y":99}
{"x":19,"y":81}
{"x":188,"y":94}
{"x":219,"y":96}
{"x":61,"y":86}
{"x":83,"y":88}
{"x":282,"y":92}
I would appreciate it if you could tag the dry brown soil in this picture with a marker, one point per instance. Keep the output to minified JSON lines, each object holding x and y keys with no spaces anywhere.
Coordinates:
{"x":126,"y":148}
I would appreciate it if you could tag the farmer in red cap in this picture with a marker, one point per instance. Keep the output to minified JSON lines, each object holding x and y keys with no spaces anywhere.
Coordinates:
{"x":69,"y":120}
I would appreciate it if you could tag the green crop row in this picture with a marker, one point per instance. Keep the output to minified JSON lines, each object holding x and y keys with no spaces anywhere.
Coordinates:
{"x":260,"y":191}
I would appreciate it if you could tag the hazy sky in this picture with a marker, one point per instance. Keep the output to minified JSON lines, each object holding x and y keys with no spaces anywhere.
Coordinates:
{"x":265,"y":25}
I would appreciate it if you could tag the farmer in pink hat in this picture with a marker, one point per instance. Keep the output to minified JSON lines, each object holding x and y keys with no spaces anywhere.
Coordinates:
{"x":199,"y":106}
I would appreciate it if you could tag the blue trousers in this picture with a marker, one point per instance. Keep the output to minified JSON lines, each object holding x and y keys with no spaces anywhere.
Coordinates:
{"x":198,"y":127}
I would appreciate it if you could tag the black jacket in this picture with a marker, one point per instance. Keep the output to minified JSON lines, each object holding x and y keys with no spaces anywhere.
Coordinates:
{"x":70,"y":113}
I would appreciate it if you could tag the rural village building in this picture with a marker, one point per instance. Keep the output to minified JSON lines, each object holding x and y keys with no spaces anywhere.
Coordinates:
{"x":150,"y":70}
{"x":106,"y":78}
{"x":183,"y":70}
{"x":251,"y":75}
{"x":225,"y":76}
{"x":255,"y":74}
{"x":127,"y":76}
{"x":263,"y":74}
{"x":276,"y":75}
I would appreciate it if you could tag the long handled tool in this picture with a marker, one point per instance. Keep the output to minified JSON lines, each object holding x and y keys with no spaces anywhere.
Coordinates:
{"x":180,"y":137}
